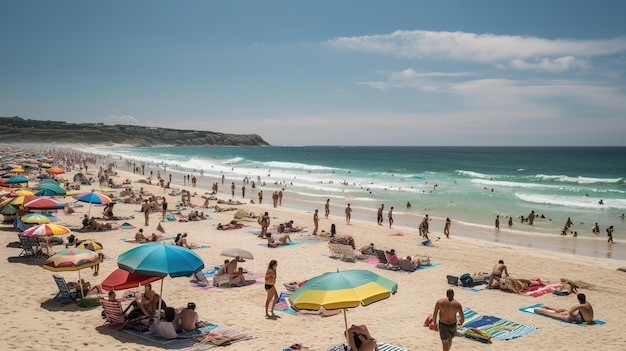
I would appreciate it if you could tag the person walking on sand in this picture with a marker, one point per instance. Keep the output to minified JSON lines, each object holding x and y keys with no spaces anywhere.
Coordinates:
{"x":609,"y":233}
{"x":445,"y":318}
{"x":264,"y":221}
{"x":316,"y":221}
{"x":270,"y":288}
{"x":243,"y":191}
{"x":145,"y":208}
{"x":379,"y":214}
{"x":164,"y":208}
{"x":390,"y":216}
{"x":327,"y":208}
{"x":348,"y":212}
{"x":497,"y":222}
{"x":261,"y":197}
{"x":446,"y":228}
{"x":510,"y":222}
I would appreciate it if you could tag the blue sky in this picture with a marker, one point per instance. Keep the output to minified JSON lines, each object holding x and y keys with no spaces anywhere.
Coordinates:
{"x":325,"y":72}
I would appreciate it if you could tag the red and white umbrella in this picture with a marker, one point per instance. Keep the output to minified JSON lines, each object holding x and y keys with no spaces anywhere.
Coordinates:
{"x":46,"y":229}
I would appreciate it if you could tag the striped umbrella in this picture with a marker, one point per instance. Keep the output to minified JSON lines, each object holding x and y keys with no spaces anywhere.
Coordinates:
{"x":46,"y":229}
{"x":72,"y":260}
{"x":92,"y":198}
{"x":43,"y":203}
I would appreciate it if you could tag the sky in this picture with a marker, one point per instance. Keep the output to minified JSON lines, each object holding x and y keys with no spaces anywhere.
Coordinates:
{"x":397,"y":73}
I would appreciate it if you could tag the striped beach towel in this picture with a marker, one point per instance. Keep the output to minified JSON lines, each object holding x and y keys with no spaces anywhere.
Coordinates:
{"x":381,"y":347}
{"x":497,"y":328}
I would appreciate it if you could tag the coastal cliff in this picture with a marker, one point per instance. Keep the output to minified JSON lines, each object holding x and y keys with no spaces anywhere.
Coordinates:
{"x":19,"y":130}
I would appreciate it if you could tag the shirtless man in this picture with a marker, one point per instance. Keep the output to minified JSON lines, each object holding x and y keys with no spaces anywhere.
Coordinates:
{"x":231,"y":269}
{"x":379,"y":214}
{"x":596,"y":229}
{"x":496,"y":273}
{"x":444,"y":318}
{"x":187,"y":319}
{"x":581,"y":313}
{"x":348,"y":212}
{"x":327,"y":208}
{"x":223,"y":268}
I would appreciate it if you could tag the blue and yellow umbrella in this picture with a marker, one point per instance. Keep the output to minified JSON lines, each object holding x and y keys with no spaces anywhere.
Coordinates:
{"x":341,"y":290}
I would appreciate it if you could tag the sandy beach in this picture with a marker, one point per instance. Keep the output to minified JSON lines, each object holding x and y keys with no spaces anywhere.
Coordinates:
{"x":32,"y":320}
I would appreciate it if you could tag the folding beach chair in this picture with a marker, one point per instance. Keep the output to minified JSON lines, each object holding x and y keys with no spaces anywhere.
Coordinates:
{"x":347,"y":253}
{"x":335,"y":250}
{"x":65,"y":294}
{"x":27,"y":248}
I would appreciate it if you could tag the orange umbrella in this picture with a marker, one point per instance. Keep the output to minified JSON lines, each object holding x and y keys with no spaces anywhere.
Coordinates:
{"x":55,"y":170}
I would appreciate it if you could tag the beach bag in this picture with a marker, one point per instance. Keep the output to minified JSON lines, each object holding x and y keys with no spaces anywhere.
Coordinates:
{"x":466,"y":280}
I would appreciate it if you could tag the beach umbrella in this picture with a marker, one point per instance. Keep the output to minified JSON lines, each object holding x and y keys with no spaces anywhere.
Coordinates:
{"x":46,"y":229}
{"x":18,"y":200}
{"x":45,"y":165}
{"x":21,"y":192}
{"x":237,"y":252}
{"x":342,"y":290}
{"x":73,"y":192}
{"x":55,"y":189}
{"x":16,"y":180}
{"x":120,"y":279}
{"x":9,"y":210}
{"x":35,"y":218}
{"x":45,"y":192}
{"x":72,"y":260}
{"x":17,"y":170}
{"x":55,"y":170}
{"x":160,"y":260}
{"x":92,"y":198}
{"x":43,"y":203}
{"x":89,"y":244}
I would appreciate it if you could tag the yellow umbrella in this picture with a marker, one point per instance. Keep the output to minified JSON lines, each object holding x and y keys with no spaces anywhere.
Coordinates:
{"x":17,"y":170}
{"x":73,"y":192}
{"x":72,"y":260}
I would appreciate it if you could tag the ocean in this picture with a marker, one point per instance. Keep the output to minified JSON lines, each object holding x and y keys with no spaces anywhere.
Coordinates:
{"x":469,"y":185}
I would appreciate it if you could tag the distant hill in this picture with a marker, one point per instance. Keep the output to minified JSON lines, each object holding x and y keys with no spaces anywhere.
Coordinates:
{"x":19,"y":130}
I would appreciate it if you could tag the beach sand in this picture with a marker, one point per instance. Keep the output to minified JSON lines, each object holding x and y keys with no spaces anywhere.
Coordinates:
{"x":31,"y":320}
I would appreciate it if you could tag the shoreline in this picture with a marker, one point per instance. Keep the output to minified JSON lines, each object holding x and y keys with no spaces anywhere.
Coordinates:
{"x":592,"y":247}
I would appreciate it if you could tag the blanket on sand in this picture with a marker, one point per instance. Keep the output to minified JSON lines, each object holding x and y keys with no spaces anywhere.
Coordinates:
{"x":284,"y":306}
{"x":195,"y":340}
{"x":497,"y":328}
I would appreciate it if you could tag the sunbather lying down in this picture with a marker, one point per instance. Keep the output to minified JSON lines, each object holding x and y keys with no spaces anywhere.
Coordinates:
{"x":567,"y":288}
{"x":281,"y":241}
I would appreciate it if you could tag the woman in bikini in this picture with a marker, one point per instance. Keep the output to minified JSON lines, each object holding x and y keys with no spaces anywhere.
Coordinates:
{"x":270,"y":287}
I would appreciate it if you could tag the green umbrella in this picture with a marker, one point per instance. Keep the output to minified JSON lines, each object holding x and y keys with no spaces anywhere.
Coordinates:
{"x":9,"y":210}
{"x":341,"y":290}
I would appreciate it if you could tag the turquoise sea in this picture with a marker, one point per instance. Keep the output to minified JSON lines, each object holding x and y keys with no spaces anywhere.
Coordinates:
{"x":467,"y":184}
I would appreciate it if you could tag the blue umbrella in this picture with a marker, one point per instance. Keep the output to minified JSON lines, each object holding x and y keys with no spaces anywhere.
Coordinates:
{"x":16,"y":180}
{"x":160,"y":260}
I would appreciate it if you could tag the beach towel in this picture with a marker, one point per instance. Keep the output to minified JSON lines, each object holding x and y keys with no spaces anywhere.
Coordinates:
{"x":170,"y":217}
{"x":196,"y":340}
{"x":381,"y":347}
{"x":291,"y":243}
{"x":531,"y":309}
{"x":495,"y":327}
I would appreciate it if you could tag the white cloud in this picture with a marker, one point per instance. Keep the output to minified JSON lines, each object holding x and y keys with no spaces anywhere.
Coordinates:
{"x":126,"y":120}
{"x":519,"y":51}
{"x":561,"y":64}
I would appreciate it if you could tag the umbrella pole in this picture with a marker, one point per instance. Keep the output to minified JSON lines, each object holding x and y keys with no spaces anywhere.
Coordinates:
{"x":160,"y":299}
{"x":82,"y":294}
{"x":345,"y":320}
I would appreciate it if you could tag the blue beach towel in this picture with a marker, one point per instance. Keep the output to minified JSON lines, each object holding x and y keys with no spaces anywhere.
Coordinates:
{"x":291,"y":243}
{"x":531,"y":309}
